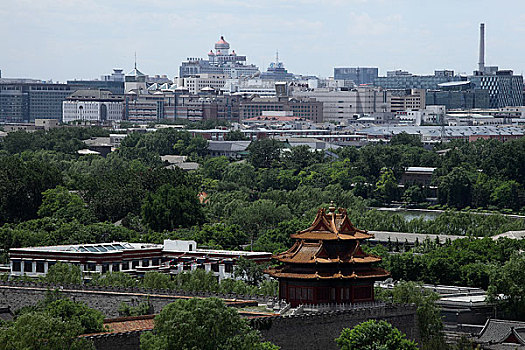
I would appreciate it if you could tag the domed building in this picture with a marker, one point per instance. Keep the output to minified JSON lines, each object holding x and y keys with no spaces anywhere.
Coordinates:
{"x":326,"y":264}
{"x":220,"y":61}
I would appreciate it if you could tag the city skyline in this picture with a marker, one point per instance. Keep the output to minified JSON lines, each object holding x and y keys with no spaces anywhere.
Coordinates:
{"x":63,"y":40}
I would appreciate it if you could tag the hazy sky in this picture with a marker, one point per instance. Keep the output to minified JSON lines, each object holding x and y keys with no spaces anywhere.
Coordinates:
{"x":67,"y":39}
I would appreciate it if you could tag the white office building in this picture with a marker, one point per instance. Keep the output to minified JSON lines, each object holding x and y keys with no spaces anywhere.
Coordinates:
{"x":92,"y":105}
{"x":343,"y":104}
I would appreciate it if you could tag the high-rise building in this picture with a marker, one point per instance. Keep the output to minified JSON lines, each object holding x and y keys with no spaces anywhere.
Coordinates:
{"x":220,"y":61}
{"x":359,"y":75}
{"x":504,"y":88}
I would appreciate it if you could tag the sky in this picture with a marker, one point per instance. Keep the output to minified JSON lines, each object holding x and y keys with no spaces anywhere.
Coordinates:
{"x":83,"y":39}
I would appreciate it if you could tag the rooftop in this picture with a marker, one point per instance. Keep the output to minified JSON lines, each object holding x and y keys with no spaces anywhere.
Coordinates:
{"x":92,"y":248}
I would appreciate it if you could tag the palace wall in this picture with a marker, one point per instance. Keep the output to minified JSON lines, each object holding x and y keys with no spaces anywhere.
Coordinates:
{"x":318,"y":331}
{"x":16,"y":295}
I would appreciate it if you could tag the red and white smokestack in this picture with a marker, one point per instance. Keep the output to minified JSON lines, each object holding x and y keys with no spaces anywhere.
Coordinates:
{"x":481,"y":64}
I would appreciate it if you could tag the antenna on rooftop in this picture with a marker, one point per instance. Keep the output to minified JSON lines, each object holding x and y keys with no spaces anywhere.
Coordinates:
{"x":276,"y":56}
{"x":135,"y":59}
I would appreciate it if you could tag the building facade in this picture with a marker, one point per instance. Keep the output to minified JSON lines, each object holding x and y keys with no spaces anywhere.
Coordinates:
{"x":94,"y":106}
{"x":504,"y":88}
{"x":302,"y":107}
{"x":359,"y":75}
{"x":208,"y":106}
{"x":195,"y":83}
{"x":400,"y":80}
{"x":25,"y":101}
{"x":174,"y":256}
{"x":469,"y":99}
{"x":407,"y":100}
{"x":343,"y":104}
{"x":220,"y":61}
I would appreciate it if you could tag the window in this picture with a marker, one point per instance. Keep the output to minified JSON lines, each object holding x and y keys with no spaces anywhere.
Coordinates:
{"x":17,"y":266}
{"x":155,"y":262}
{"x":116,"y":267}
{"x":292,"y":293}
{"x":134,"y":264}
{"x":105,"y":268}
{"x":40,"y":266}
{"x":145,"y":262}
{"x":28,"y":266}
{"x":91,"y":267}
{"x":125,"y":266}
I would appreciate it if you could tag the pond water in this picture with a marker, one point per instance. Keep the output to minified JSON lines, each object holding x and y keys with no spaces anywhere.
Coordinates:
{"x":410,"y":214}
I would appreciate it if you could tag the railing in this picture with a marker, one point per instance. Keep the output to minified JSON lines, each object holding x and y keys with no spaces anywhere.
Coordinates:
{"x":307,"y":308}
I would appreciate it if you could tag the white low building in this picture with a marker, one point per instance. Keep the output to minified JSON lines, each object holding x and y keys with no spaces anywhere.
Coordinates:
{"x":93,"y":105}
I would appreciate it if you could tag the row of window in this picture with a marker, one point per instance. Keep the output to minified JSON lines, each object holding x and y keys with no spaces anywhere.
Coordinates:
{"x":305,"y":294}
{"x":27,"y":266}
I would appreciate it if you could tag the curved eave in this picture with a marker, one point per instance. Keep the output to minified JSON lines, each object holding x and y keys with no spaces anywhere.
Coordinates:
{"x":366,"y":260}
{"x":329,"y":236}
{"x":336,"y":276}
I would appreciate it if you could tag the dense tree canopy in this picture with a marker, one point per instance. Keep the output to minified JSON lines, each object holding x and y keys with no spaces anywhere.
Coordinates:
{"x":374,"y":335}
{"x":172,"y":207}
{"x":206,"y":324}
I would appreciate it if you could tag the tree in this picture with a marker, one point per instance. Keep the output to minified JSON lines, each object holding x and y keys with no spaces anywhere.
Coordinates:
{"x":114,"y":279}
{"x":414,"y":194}
{"x":507,"y":195}
{"x":215,"y":167}
{"x":235,"y":135}
{"x":386,"y":186}
{"x":251,"y":271}
{"x":301,"y":157}
{"x":509,"y":281}
{"x":53,"y":323}
{"x":242,"y":174}
{"x":406,"y":139}
{"x":264,"y":153}
{"x":59,"y":203}
{"x":143,"y":308}
{"x":77,"y":313}
{"x":374,"y":335}
{"x":157,"y":280}
{"x":429,"y":319}
{"x":206,"y":324}
{"x":62,"y":273}
{"x":172,"y":207}
{"x":41,"y":331}
{"x":455,"y":188}
{"x":21,"y":187}
{"x":221,"y":235}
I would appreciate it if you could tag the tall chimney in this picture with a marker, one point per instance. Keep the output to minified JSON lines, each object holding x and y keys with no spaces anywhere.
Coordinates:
{"x":481,"y":64}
